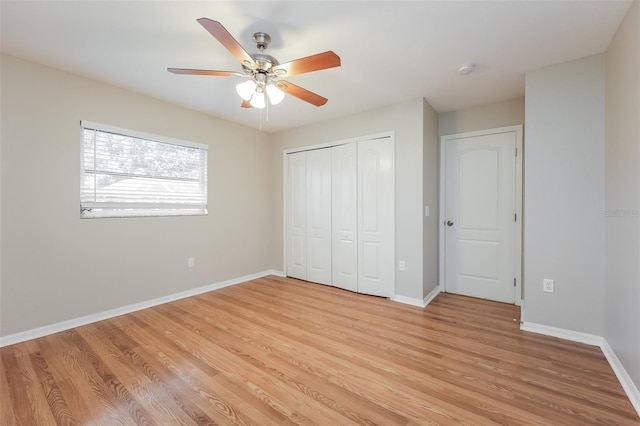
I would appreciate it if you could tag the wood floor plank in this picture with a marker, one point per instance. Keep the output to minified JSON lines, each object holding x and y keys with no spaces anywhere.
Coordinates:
{"x":111,"y":381}
{"x":288,"y":350}
{"x":275,"y":395}
{"x":242,"y":346}
{"x":140,"y":386}
{"x":40,"y":410}
{"x":499,"y":346}
{"x":389,"y":357}
{"x":250,"y":338}
{"x":7,"y":414}
{"x":167,"y":378}
{"x":52,"y":391}
{"x":277,"y":351}
{"x":346,"y":349}
{"x":342,"y":356}
{"x":17,"y":393}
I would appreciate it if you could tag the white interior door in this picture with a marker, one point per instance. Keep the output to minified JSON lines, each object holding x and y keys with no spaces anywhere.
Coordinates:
{"x":297,"y":215}
{"x":319,"y":216}
{"x":344,"y":216}
{"x":480,"y":224}
{"x":376,"y":254}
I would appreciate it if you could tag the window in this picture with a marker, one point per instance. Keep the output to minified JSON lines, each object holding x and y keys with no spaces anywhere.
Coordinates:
{"x":128,"y":173}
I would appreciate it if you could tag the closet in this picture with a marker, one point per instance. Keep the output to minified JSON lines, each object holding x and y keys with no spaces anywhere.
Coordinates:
{"x":339,"y":216}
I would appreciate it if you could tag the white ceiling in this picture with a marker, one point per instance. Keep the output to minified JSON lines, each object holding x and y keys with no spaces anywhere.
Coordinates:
{"x":391,"y":51}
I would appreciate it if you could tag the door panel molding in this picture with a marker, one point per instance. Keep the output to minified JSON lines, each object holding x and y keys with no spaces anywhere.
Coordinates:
{"x":296,"y":211}
{"x":376,"y":217}
{"x":318,"y":210}
{"x":344,"y":216}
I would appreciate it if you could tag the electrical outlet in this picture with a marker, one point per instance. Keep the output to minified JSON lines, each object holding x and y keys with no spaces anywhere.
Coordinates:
{"x":191,"y":261}
{"x":547,"y":285}
{"x":401,"y":265}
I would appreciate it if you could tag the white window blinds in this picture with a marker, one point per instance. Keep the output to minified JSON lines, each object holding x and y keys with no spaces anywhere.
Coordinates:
{"x":129,"y":173}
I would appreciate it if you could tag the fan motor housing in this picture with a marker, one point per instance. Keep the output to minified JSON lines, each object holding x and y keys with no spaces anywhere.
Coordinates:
{"x":262,"y":40}
{"x":265,"y":62}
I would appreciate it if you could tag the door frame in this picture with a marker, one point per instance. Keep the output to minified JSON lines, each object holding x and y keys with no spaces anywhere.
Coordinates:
{"x":518,"y":207}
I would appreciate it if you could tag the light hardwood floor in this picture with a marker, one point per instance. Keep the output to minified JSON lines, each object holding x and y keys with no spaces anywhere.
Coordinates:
{"x":282,"y":351}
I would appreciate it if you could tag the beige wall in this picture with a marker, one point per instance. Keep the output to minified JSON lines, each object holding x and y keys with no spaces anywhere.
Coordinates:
{"x":622,"y":195}
{"x":500,"y":114}
{"x":406,"y":121}
{"x":57,"y":267}
{"x":564,"y":195}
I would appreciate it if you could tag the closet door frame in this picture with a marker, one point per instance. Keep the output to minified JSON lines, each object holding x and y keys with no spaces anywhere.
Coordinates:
{"x":285,"y":165}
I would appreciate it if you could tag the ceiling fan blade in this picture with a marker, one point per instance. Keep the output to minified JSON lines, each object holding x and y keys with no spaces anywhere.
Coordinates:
{"x":203,"y":72}
{"x":317,"y":62}
{"x":245,"y":104}
{"x":301,"y":93}
{"x":222,"y":35}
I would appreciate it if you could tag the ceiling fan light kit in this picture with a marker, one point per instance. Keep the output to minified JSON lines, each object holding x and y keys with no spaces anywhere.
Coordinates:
{"x":257,"y":100}
{"x":275,"y":95}
{"x":246,"y":89}
{"x":264,"y":71}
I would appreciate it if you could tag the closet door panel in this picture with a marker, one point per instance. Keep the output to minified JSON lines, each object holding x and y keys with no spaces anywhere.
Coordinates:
{"x":376,"y":241}
{"x":297,"y":215}
{"x":319,"y":216}
{"x":344,"y":216}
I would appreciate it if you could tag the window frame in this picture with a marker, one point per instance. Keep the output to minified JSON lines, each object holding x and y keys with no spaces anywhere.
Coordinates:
{"x":95,"y":209}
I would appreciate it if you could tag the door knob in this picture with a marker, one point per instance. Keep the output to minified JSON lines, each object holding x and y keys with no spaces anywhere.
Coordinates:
{"x":449,"y":223}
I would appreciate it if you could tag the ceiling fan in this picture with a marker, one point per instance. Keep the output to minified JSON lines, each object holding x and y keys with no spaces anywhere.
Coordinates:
{"x":264,"y":71}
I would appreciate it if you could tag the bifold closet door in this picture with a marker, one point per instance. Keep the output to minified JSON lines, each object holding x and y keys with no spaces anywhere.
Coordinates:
{"x":297,"y":215}
{"x":340,"y":216}
{"x":319,"y":216}
{"x":376,"y":253}
{"x":344,"y":215}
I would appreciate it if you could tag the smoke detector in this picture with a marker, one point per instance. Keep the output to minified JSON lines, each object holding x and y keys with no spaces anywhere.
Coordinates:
{"x":465,"y":69}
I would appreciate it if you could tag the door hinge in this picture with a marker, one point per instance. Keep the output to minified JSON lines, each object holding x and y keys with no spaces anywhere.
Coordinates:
{"x":515,"y":217}
{"x":516,"y":152}
{"x":514,"y":282}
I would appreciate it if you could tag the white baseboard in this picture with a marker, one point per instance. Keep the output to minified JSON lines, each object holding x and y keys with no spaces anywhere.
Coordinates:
{"x":590,"y":339}
{"x":574,"y":336}
{"x":417,"y":302}
{"x":407,"y":300}
{"x":12,"y":339}
{"x":432,"y":295}
{"x":625,"y":380}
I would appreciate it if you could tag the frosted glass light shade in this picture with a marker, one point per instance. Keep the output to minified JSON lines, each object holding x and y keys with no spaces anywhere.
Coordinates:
{"x":246,"y":89}
{"x":275,"y":95}
{"x":257,"y":100}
